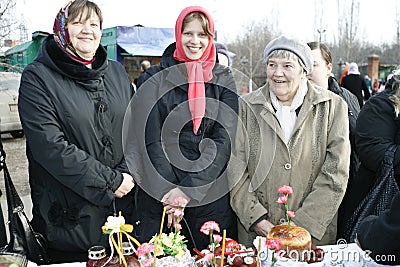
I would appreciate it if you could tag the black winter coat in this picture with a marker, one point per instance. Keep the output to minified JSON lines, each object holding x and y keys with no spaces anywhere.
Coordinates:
{"x":381,"y":235}
{"x":354,"y":110}
{"x":356,"y":84}
{"x":72,"y":117}
{"x":377,"y":127}
{"x":177,"y":156}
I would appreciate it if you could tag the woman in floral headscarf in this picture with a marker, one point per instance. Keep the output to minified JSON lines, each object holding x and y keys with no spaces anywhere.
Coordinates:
{"x":72,"y":102}
{"x":192,"y":106}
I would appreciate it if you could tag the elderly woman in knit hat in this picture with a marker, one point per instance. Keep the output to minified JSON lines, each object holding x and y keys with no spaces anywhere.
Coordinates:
{"x":295,"y":134}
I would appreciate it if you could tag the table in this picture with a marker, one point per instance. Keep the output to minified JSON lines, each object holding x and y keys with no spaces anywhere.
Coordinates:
{"x":341,"y":255}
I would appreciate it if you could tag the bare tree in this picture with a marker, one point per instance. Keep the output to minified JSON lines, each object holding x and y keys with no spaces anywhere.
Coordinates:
{"x":348,"y":22}
{"x":8,"y":23}
{"x":249,"y":49}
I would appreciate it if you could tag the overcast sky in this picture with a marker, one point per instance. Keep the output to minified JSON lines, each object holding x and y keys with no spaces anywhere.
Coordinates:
{"x":295,"y":17}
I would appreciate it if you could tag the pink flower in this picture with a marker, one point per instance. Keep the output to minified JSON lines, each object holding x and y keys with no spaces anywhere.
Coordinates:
{"x":178,"y":213}
{"x":180,"y":202}
{"x":208,"y":226}
{"x":285,"y":189}
{"x":144,"y":249}
{"x":178,"y":226}
{"x":208,"y":257}
{"x":290,"y":213}
{"x":273,"y":243}
{"x":282,"y":199}
{"x":217,"y":238}
{"x":148,"y":262}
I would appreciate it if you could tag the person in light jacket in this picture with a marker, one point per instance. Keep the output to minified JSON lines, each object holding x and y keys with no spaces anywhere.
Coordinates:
{"x":72,"y":102}
{"x":291,"y":133}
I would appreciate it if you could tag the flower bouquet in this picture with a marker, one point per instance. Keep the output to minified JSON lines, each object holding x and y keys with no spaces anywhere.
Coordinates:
{"x":223,"y":251}
{"x":167,"y":249}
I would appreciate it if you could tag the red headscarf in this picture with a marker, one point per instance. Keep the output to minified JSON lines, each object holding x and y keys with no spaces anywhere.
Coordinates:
{"x":199,"y":70}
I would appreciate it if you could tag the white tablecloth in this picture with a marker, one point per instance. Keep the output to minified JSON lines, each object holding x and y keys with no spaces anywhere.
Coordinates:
{"x":346,"y":255}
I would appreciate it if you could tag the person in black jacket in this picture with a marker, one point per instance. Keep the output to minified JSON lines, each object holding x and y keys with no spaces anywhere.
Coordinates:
{"x":380,"y":235}
{"x":189,"y":105}
{"x":356,"y":84}
{"x":377,"y":128}
{"x":322,"y":76}
{"x":72,"y":102}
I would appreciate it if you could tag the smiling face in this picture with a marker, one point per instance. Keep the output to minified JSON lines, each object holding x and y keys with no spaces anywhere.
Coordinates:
{"x":321,"y":70}
{"x":85,"y":34}
{"x":194,"y":39}
{"x":284,"y":75}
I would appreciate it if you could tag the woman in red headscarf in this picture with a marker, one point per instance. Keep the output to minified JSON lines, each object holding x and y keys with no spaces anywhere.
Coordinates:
{"x":192,"y":105}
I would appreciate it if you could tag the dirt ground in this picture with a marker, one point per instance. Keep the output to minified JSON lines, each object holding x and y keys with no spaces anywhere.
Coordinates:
{"x":17,"y":164}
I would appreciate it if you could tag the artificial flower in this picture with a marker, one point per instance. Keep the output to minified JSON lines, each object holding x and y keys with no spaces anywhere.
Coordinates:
{"x":290,"y":213}
{"x":217,"y":238}
{"x":285,"y":189}
{"x":282,"y":200}
{"x":144,"y":249}
{"x":274,"y":245}
{"x":209,"y":226}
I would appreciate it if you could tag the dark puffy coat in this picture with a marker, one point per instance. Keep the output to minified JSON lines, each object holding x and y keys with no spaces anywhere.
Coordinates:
{"x":377,"y":127}
{"x":72,"y":117}
{"x":203,"y":156}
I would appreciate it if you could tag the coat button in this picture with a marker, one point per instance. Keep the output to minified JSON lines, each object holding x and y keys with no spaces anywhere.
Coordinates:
{"x":288,"y":166}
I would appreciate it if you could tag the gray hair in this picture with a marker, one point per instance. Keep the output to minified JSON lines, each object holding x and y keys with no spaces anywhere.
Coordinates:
{"x":287,"y":55}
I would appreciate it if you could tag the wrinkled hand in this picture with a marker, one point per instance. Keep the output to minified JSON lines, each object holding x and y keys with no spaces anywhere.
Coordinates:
{"x":168,"y":202}
{"x":262,"y":228}
{"x":126,"y":186}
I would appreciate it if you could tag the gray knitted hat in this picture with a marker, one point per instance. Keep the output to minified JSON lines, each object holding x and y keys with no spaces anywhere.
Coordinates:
{"x":301,"y":50}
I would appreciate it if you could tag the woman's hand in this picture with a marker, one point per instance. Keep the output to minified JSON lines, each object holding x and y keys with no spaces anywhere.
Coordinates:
{"x":126,"y":186}
{"x":168,"y":202}
{"x":262,"y":228}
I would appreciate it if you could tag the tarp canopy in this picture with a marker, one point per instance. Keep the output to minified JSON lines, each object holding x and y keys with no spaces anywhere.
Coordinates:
{"x":144,"y":41}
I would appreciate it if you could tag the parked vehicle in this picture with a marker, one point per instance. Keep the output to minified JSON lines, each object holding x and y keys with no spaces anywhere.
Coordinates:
{"x":9,"y":116}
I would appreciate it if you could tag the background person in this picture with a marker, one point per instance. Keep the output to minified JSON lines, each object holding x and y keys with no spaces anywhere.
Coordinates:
{"x":356,"y":84}
{"x":322,"y":76}
{"x":189,"y":95}
{"x":144,"y":65}
{"x":283,"y":120}
{"x":72,"y":102}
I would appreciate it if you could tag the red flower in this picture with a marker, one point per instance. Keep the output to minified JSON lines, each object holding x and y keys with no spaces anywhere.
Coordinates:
{"x":208,"y":226}
{"x":285,"y":189}
{"x":144,"y":249}
{"x":290,"y":213}
{"x":273,"y":243}
{"x":282,"y":199}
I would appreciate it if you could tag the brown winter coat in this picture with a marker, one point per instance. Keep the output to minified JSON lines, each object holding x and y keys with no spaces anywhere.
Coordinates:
{"x":315,"y":163}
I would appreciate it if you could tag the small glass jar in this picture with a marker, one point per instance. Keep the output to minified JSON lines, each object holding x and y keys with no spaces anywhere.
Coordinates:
{"x":127,"y":248}
{"x":95,"y":254}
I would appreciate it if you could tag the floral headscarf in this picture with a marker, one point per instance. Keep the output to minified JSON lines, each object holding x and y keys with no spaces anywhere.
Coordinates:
{"x":61,"y":36}
{"x":199,"y":70}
